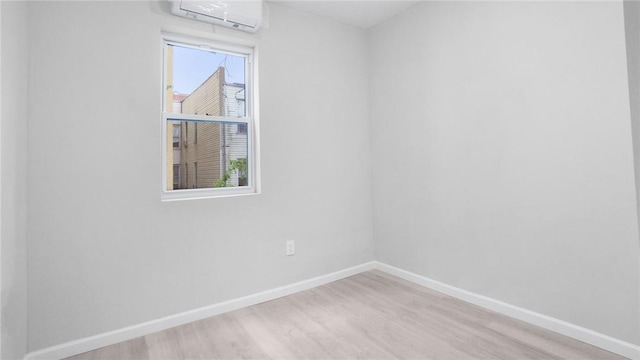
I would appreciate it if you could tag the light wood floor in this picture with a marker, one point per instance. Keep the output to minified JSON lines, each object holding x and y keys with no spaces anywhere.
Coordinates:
{"x":367,"y":316}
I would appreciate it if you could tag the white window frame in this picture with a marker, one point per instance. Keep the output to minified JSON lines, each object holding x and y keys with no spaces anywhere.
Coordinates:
{"x":250,"y":118}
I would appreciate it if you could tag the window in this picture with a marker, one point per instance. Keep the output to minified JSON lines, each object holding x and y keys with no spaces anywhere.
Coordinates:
{"x":176,"y":136}
{"x":176,"y":175}
{"x":195,"y":174}
{"x":208,"y":86}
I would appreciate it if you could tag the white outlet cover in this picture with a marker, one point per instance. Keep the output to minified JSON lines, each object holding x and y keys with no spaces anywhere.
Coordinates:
{"x":291,"y":250}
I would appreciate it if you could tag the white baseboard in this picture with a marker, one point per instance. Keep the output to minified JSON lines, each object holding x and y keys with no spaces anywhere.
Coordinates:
{"x":608,"y":343}
{"x":97,"y":341}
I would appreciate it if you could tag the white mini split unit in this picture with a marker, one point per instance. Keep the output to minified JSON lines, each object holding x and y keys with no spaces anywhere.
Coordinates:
{"x":245,"y":15}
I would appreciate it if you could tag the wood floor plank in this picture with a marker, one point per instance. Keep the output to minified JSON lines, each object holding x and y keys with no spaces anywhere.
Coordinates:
{"x":372,"y":315}
{"x":323,"y":311}
{"x":224,"y":337}
{"x":134,"y":349}
{"x":379,"y":320}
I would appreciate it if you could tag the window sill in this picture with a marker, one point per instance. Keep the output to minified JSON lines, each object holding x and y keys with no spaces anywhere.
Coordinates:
{"x":195,"y":194}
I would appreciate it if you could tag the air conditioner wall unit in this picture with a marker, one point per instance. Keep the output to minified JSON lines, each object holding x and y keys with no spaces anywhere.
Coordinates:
{"x":245,"y":15}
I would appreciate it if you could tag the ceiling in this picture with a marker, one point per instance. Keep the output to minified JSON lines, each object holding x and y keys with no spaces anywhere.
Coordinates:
{"x":361,"y":13}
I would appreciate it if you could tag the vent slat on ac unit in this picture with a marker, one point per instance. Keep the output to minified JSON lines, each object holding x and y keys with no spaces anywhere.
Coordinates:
{"x":241,"y":15}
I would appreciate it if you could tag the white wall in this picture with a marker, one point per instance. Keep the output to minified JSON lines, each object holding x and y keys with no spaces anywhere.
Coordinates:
{"x":632,"y":37}
{"x":13,"y":190}
{"x":104,"y":252}
{"x":503,"y":155}
{"x":502,"y":149}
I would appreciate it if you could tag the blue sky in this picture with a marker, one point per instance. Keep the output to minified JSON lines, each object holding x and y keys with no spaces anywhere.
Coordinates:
{"x":191,"y":67}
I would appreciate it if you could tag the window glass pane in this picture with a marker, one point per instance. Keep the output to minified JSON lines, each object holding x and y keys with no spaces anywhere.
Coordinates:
{"x":217,"y":159}
{"x":204,"y":82}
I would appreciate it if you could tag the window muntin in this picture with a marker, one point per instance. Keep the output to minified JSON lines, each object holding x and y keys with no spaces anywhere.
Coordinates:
{"x":208,"y":89}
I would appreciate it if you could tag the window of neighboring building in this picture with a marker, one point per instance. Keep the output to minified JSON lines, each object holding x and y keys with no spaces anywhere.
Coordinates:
{"x":195,"y":174}
{"x":214,"y":79}
{"x":176,"y":175}
{"x":176,"y":136}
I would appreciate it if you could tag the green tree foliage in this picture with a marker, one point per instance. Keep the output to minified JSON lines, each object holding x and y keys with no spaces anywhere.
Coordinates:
{"x":238,"y":166}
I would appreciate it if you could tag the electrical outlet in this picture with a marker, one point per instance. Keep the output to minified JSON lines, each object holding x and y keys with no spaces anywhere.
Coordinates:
{"x":291,"y":249}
